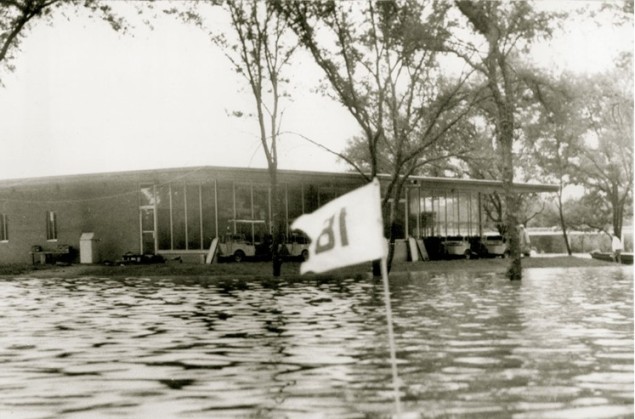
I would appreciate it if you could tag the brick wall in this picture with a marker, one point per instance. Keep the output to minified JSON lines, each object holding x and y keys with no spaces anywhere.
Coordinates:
{"x":110,"y":210}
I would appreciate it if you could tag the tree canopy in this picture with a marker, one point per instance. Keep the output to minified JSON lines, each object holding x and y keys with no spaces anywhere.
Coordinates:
{"x":17,"y":17}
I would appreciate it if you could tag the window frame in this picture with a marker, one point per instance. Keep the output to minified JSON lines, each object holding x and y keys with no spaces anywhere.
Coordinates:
{"x":51,"y":226}
{"x":4,"y":228}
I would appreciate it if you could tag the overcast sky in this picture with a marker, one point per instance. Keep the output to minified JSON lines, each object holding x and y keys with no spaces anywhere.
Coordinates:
{"x":86,"y":99}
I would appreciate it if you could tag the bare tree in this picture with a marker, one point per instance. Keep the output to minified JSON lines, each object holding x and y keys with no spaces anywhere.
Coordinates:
{"x":16,"y":17}
{"x":259,"y":48}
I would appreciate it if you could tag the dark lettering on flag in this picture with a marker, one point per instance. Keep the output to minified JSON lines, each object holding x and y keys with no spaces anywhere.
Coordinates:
{"x":326,"y":239}
{"x":343,"y":234}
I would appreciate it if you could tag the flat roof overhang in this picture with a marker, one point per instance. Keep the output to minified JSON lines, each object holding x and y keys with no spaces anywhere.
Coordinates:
{"x":477,"y":185}
{"x":432,"y":183}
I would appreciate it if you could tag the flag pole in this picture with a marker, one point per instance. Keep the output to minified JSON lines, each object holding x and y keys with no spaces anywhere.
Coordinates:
{"x":391,"y":337}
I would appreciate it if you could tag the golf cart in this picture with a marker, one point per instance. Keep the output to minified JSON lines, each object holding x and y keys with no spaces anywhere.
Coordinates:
{"x":251,"y":241}
{"x":297,"y":246}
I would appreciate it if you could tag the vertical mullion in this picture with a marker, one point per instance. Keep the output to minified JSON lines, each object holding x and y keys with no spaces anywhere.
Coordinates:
{"x":425,"y":228}
{"x":234,"y":206}
{"x":302,"y":196}
{"x":216,"y":207}
{"x":458,"y":213}
{"x":406,"y":212}
{"x":286,"y":210}
{"x":445,"y":209}
{"x":251,"y":200}
{"x":469,"y":217}
{"x":171,"y":218}
{"x":200,"y":212}
{"x":155,"y":234}
{"x":480,"y":216}
{"x":418,"y":212}
{"x":187,"y":239}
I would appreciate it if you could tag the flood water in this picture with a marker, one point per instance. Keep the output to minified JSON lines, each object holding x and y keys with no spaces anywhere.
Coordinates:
{"x":559,"y":344}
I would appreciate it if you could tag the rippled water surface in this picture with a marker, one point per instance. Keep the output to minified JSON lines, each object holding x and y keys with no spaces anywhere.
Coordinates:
{"x":559,"y":344}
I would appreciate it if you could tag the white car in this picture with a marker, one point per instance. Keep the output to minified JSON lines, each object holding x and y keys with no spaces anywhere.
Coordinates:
{"x":495,"y":246}
{"x":455,"y":247}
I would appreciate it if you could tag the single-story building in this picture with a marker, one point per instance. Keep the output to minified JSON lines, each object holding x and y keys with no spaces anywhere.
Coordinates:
{"x":177,"y":212}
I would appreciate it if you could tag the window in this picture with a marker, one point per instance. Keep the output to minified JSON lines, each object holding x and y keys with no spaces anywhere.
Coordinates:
{"x":164,"y":217}
{"x":294,"y":204}
{"x":225,"y":208}
{"x":4,"y":228}
{"x":179,"y":219}
{"x":193,"y":216}
{"x":208,"y":205}
{"x":186,"y":215}
{"x":51,"y":225}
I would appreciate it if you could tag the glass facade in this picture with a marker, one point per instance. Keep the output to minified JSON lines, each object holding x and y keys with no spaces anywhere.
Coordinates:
{"x":194,"y":230}
{"x":183,"y":216}
{"x":177,"y":197}
{"x":225,"y":208}
{"x":189,"y":216}
{"x":164,"y":217}
{"x":208,"y":214}
{"x":443,"y":213}
{"x":260,"y":216}
{"x":294,"y":204}
{"x":414,"y":212}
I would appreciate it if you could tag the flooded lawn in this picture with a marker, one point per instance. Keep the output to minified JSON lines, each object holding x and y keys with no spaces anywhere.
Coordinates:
{"x":559,"y":344}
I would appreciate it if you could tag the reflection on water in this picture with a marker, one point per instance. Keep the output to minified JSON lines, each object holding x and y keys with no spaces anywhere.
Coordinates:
{"x":559,"y":344}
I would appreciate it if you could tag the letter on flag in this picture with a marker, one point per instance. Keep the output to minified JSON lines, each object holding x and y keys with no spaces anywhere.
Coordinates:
{"x":345,"y":231}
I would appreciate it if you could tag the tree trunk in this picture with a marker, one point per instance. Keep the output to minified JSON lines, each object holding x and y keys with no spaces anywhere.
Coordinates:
{"x":276,"y":222}
{"x":506,"y":138}
{"x":395,"y":209}
{"x":618,"y":214}
{"x":563,"y":225}
{"x":391,"y":242}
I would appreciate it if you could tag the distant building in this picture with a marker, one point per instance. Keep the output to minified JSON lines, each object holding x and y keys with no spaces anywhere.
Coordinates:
{"x":177,"y":212}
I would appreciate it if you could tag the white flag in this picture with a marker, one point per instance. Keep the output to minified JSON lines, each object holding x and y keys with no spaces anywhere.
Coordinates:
{"x":345,"y":231}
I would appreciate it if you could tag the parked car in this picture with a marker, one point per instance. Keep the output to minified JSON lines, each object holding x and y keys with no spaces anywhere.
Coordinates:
{"x":494,"y":246}
{"x":456,"y":247}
